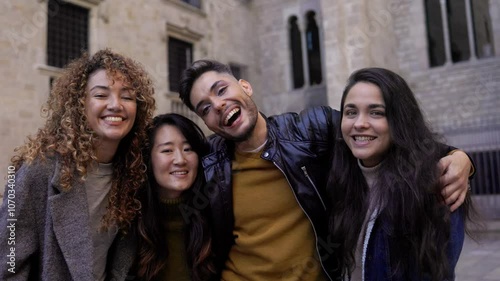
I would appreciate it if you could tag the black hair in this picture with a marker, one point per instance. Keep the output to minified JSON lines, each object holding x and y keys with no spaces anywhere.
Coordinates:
{"x":153,"y":250}
{"x":191,"y":74}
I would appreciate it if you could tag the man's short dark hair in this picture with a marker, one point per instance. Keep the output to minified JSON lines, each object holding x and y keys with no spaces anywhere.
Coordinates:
{"x":191,"y":74}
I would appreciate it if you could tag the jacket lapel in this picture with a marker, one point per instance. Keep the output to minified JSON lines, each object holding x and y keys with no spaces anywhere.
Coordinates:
{"x":69,"y":211}
{"x":122,"y":255}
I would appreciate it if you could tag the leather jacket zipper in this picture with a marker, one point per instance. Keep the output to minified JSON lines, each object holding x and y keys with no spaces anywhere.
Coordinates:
{"x":312,"y":224}
{"x":314,"y":186}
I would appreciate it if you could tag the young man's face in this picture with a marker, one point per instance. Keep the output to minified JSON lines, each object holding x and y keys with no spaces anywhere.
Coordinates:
{"x":225,"y":105}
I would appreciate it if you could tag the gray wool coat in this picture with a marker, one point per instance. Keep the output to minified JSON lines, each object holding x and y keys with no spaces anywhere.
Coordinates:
{"x":45,"y":233}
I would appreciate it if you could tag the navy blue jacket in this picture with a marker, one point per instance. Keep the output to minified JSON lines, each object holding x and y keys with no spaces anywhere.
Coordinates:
{"x":378,"y":259}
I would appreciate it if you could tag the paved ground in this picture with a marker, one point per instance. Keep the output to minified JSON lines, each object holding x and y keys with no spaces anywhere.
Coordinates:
{"x":480,"y":260}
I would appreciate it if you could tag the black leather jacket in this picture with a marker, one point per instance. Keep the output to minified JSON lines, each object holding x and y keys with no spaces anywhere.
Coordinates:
{"x":300,"y":145}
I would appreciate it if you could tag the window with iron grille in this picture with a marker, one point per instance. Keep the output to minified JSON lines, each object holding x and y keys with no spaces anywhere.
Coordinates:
{"x":67,"y":32}
{"x":180,"y":57}
{"x":196,"y":3}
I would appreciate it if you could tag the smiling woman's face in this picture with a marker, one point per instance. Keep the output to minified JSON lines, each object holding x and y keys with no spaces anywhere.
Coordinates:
{"x":110,"y":107}
{"x":364,"y":124}
{"x":175,"y":163}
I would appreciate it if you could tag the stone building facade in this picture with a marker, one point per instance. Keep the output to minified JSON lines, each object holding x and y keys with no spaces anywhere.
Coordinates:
{"x":460,"y":99}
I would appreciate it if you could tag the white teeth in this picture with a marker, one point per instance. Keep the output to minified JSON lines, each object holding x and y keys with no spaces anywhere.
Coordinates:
{"x":230,"y":114}
{"x":179,"y":173}
{"x":113,"y":118}
{"x":363,"y":138}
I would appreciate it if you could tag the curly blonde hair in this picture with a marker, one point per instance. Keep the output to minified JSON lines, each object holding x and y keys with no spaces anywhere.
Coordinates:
{"x":67,"y":135}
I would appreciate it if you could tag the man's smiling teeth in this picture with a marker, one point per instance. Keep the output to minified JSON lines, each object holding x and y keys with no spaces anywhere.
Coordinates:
{"x":230,"y":114}
{"x":113,"y":118}
{"x":179,"y":173}
{"x":363,"y":138}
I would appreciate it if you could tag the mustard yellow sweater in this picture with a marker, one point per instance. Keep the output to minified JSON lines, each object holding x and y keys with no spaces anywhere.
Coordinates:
{"x":274,"y":238}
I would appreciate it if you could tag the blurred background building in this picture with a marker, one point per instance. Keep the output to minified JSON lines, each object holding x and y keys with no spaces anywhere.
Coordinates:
{"x":296,"y":54}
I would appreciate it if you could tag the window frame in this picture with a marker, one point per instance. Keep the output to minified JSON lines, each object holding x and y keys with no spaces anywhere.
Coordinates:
{"x":447,"y":34}
{"x":56,"y":58}
{"x":174,"y":71}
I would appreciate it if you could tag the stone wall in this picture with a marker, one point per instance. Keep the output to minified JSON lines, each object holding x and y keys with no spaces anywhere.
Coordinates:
{"x":222,"y":29}
{"x":460,"y":99}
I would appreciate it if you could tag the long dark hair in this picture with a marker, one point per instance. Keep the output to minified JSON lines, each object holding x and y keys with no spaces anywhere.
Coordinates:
{"x":409,"y":200}
{"x":153,"y":252}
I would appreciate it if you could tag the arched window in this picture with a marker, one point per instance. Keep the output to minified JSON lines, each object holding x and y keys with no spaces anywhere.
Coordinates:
{"x":313,"y":52}
{"x":296,"y":53}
